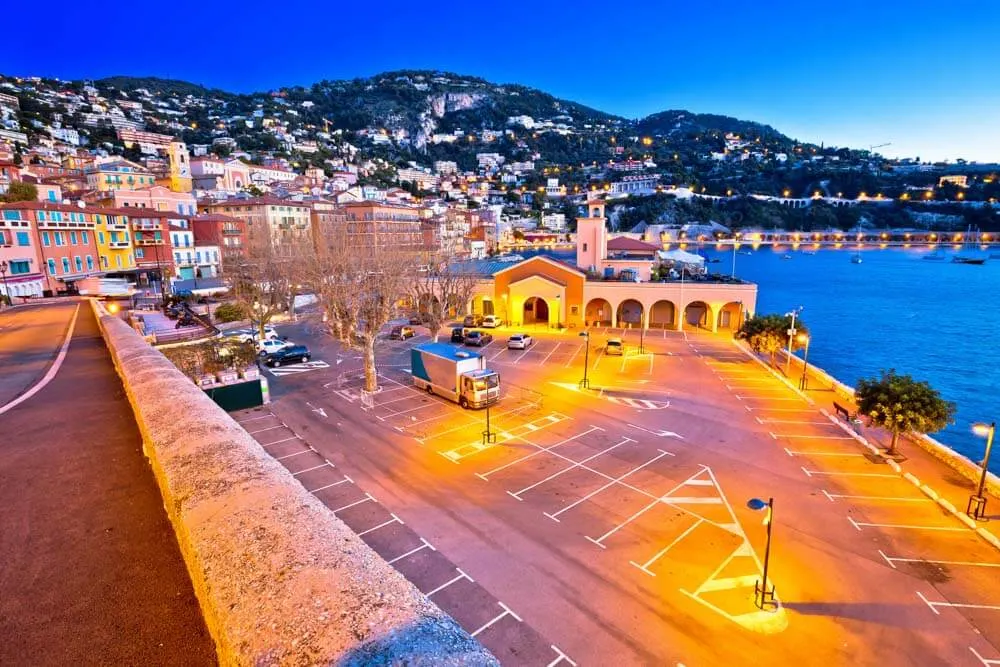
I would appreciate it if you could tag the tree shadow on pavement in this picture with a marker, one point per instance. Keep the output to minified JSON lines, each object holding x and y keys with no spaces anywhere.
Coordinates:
{"x":885,"y":613}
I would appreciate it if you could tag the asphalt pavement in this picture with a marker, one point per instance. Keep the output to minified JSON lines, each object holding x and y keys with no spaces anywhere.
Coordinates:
{"x":92,"y":573}
{"x":613,"y":522}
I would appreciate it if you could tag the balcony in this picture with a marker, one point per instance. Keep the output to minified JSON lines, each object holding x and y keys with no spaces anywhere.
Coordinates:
{"x":122,"y":244}
{"x":146,"y":226}
{"x":231,"y":232}
{"x":117,"y":226}
{"x":149,"y":242}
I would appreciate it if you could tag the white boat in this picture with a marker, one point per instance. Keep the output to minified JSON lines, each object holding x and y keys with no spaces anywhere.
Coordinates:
{"x":856,"y":257}
{"x":969,"y":254}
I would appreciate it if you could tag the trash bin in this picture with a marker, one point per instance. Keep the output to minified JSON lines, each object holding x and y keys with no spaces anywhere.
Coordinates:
{"x":856,"y":425}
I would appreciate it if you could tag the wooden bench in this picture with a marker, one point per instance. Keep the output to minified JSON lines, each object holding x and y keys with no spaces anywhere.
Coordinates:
{"x":842,"y":411}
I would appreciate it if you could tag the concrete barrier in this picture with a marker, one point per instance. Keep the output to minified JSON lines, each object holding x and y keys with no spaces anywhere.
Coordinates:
{"x":279,"y":578}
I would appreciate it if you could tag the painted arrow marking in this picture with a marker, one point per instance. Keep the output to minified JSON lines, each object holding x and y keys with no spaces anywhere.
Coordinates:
{"x":320,"y":411}
{"x":662,"y":434}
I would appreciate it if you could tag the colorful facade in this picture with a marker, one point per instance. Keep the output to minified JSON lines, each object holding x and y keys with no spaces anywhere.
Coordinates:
{"x":114,"y":241}
{"x":24,"y":275}
{"x":119,"y":175}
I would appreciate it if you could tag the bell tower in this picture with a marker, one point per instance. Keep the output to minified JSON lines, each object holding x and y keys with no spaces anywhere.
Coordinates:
{"x":591,"y":237}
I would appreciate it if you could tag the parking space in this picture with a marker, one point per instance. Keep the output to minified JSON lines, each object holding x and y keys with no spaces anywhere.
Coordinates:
{"x":952,"y":567}
{"x":491,"y":621}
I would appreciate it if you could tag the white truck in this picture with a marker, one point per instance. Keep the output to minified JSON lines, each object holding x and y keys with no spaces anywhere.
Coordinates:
{"x":454,"y":374}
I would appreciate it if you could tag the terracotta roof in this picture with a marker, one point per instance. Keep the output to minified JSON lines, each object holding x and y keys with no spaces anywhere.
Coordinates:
{"x":625,"y":243}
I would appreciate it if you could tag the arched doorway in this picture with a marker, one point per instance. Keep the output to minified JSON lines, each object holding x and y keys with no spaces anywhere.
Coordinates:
{"x":630,"y":313}
{"x":661,"y":315}
{"x":731,"y":316}
{"x":598,"y":313}
{"x":698,"y":314}
{"x":536,"y":311}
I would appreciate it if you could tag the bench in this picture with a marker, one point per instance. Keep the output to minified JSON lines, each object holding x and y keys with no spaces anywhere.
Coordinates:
{"x":842,"y":411}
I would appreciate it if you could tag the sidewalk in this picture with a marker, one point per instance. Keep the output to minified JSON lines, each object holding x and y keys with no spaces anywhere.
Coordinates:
{"x":92,"y":573}
{"x":921,"y":460}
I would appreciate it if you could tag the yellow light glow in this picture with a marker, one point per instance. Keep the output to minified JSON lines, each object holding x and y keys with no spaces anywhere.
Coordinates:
{"x":802,"y":338}
{"x":982,"y":430}
{"x":112,"y":308}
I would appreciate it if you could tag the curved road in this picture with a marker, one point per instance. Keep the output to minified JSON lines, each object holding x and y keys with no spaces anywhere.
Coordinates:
{"x":92,"y":573}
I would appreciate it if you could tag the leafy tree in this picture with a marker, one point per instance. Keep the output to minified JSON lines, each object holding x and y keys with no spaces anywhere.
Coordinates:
{"x":231,"y":312}
{"x":20,"y":191}
{"x":518,"y":235}
{"x":900,"y":404}
{"x":769,"y":333}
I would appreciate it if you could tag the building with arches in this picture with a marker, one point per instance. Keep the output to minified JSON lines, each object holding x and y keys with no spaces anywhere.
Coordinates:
{"x":605,"y":292}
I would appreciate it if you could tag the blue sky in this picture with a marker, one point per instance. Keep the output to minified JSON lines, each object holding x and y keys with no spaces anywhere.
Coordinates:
{"x":923,"y":75}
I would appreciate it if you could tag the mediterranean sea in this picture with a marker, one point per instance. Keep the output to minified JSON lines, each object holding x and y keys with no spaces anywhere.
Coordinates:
{"x":934,"y":320}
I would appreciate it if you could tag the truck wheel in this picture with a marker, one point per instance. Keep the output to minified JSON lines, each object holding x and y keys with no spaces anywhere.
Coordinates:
{"x":430,"y":389}
{"x":464,"y":402}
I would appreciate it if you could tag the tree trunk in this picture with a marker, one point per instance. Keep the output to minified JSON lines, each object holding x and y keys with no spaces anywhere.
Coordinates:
{"x":371,"y":373}
{"x":892,"y":443}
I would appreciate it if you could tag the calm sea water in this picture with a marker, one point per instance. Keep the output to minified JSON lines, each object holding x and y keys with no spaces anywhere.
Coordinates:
{"x":934,"y":320}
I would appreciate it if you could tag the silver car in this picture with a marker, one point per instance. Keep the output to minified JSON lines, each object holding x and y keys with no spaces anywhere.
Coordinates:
{"x":520,"y":342}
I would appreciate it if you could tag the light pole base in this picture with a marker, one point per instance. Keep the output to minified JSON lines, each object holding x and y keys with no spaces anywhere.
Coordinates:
{"x":585,"y":383}
{"x":763,"y":597}
{"x":976,"y":508}
{"x":489,"y":437}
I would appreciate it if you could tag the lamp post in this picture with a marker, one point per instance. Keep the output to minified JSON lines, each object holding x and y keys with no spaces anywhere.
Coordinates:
{"x":585,"y":383}
{"x":804,"y":381}
{"x":791,"y":334}
{"x":977,"y":503}
{"x":6,"y":290}
{"x":489,"y":437}
{"x":761,"y":593}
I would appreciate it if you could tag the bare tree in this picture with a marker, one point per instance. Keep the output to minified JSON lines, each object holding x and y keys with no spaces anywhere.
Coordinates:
{"x":442,"y":288}
{"x":261,"y":276}
{"x":359,"y":287}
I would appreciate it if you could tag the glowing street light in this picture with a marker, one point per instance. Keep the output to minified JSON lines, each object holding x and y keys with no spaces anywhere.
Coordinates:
{"x":791,"y":333}
{"x":585,"y":383}
{"x":803,"y":339}
{"x":977,"y":503}
{"x":761,"y":593}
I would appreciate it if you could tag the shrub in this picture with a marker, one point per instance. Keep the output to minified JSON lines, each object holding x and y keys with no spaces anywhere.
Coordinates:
{"x":230,"y":312}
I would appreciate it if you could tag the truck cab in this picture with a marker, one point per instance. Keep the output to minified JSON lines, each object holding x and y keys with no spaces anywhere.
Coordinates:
{"x":456,"y":374}
{"x":479,"y":388}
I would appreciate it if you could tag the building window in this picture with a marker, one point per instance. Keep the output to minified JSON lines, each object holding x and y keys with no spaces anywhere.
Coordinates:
{"x":79,"y":263}
{"x":19,"y":267}
{"x":585,"y":247}
{"x":41,"y":216}
{"x":72,"y":238}
{"x":100,"y":238}
{"x":86,"y":238}
{"x":104,"y":261}
{"x":52,"y":267}
{"x":65,"y":263}
{"x":60,"y":238}
{"x":118,"y":260}
{"x":140,"y":253}
{"x":90,"y":263}
{"x":23,"y":238}
{"x":11,"y":215}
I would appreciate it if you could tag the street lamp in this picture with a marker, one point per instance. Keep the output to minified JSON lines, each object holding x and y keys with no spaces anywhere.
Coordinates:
{"x":489,"y":437}
{"x":761,"y":593}
{"x":585,"y":383}
{"x":804,"y":381}
{"x":3,"y":274}
{"x":977,"y":503}
{"x":791,"y":332}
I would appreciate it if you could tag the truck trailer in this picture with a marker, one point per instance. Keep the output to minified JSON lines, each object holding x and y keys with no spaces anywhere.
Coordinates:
{"x":454,"y":374}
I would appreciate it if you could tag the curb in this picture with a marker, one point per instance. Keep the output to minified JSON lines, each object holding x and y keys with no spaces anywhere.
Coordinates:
{"x":945,"y":504}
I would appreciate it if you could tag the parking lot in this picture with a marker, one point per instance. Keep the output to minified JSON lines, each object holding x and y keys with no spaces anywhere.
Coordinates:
{"x":953,"y":568}
{"x":491,"y":621}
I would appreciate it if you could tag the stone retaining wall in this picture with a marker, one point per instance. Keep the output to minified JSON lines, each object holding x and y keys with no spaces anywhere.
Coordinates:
{"x":279,"y":578}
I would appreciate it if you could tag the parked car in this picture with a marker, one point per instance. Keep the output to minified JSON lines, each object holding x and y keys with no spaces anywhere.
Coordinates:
{"x":251,"y":335}
{"x":520,"y":342}
{"x":478,"y":338}
{"x":472,"y":321}
{"x":491,"y":321}
{"x":401,"y":333}
{"x":614,"y":347}
{"x":272,"y":345}
{"x":419,"y":318}
{"x":288,"y":355}
{"x":458,"y":335}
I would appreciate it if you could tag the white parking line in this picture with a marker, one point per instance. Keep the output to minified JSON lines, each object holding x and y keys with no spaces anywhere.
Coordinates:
{"x":813,"y":437}
{"x":832,"y":496}
{"x":768,"y":398}
{"x":425,"y":545}
{"x":810,"y":473}
{"x":576,"y":464}
{"x":327,"y":486}
{"x":540,"y":450}
{"x":791,"y":453}
{"x":278,"y":442}
{"x":790,"y":421}
{"x":542,"y":362}
{"x":892,"y":560}
{"x":570,"y":362}
{"x":858,"y":525}
{"x":506,"y":611}
{"x":394,"y":519}
{"x":282,"y":458}
{"x":505,"y":349}
{"x":960,"y":605}
{"x":611,"y":483}
{"x":659,"y":554}
{"x":562,"y":656}
{"x":269,"y":428}
{"x":322,"y":465}
{"x":461,"y":575}
{"x":244,"y":421}
{"x":367,"y":498}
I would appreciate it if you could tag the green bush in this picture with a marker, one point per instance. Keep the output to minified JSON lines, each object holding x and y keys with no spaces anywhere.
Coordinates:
{"x":230,"y":312}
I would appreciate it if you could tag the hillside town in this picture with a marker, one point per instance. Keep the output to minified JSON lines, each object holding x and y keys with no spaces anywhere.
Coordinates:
{"x":106,"y":180}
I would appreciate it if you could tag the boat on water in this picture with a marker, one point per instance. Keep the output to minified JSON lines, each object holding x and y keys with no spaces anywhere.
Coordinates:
{"x":744,"y":252}
{"x":969,"y":253}
{"x":935,"y":255}
{"x":786,"y":256}
{"x":808,"y":252}
{"x":856,"y":257}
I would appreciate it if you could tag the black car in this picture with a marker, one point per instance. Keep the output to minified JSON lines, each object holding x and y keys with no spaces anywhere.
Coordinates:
{"x":288,"y":355}
{"x":458,"y":335}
